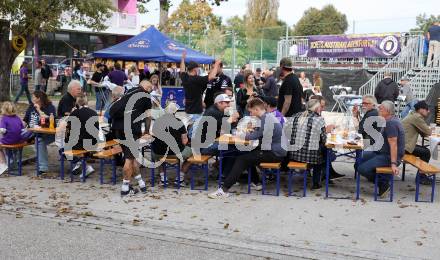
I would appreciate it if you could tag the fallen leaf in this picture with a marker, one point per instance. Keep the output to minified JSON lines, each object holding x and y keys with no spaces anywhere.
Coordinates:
{"x":383,"y":240}
{"x":98,"y":228}
{"x":403,"y":206}
{"x":236,"y":230}
{"x":345,"y":235}
{"x":419,"y":243}
{"x":18,"y":215}
{"x":2,"y":199}
{"x":226,"y":226}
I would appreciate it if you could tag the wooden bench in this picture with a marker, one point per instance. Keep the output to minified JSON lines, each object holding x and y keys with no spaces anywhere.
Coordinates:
{"x":9,"y":149}
{"x":269,"y":168}
{"x":384,"y":173}
{"x":423,"y":168}
{"x":297,"y":168}
{"x":108,"y":157}
{"x":171,"y":161}
{"x":199,"y":162}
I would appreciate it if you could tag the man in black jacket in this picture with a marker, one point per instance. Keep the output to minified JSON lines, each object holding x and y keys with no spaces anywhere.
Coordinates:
{"x":369,"y":104}
{"x":128,"y":116}
{"x":218,"y":84}
{"x":291,"y":91}
{"x":46,"y":73}
{"x":387,"y":89}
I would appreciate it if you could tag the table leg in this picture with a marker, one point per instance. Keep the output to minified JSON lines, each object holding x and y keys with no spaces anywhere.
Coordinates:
{"x":220,"y":170}
{"x":327,"y":172}
{"x":357,"y":175}
{"x":37,"y":151}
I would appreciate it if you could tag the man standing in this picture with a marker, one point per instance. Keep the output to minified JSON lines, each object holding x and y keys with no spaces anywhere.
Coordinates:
{"x":118,"y":112}
{"x":216,"y":85}
{"x":270,"y":86}
{"x":239,"y":78}
{"x":259,"y":79}
{"x":38,"y":77}
{"x":46,"y":73}
{"x":291,"y":92}
{"x":434,"y":45}
{"x":387,"y":89}
{"x":100,"y":91}
{"x":24,"y":79}
{"x":392,"y":150}
{"x":117,"y":76}
{"x":414,"y":125}
{"x":194,"y":86}
{"x":410,"y":100}
{"x":68,"y":101}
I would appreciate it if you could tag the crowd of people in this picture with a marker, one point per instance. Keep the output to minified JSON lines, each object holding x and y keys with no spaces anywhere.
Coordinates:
{"x":295,"y":107}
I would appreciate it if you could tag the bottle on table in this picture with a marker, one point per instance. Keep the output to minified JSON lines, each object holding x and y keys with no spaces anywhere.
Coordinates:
{"x":51,"y":121}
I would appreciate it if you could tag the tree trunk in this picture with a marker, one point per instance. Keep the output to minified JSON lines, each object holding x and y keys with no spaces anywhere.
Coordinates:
{"x":163,"y":16}
{"x":7,"y":58}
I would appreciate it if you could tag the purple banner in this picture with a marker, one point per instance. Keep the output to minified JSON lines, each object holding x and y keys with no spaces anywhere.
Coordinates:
{"x":353,"y":46}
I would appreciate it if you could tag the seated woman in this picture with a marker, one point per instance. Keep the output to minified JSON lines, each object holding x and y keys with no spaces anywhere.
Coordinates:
{"x":308,"y":139}
{"x":41,"y":107}
{"x":270,"y":148}
{"x":10,"y":126}
{"x":170,"y":139}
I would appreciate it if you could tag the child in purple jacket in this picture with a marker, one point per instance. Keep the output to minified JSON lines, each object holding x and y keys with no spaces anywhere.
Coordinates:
{"x":271,"y":103}
{"x":10,"y":128}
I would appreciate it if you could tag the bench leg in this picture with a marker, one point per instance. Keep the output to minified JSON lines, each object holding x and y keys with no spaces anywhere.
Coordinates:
{"x":71,"y":170}
{"x":113,"y":171}
{"x":191,"y":170}
{"x":101,"y":171}
{"x":165,"y":179}
{"x":20,"y":163}
{"x":305,"y":173}
{"x":9,"y":154}
{"x":83,"y":165}
{"x":263,"y":176}
{"x":178,"y":175}
{"x":391,"y":187}
{"x":289,"y":183}
{"x":375,"y":186}
{"x":327,"y":172}
{"x":206,"y":169}
{"x":278,"y":182}
{"x":152,"y":176}
{"x":417,"y":186}
{"x":433,"y":188}
{"x":249,"y":180}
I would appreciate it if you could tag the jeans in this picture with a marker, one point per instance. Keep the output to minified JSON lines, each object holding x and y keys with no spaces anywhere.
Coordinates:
{"x":193,"y":119}
{"x":24,"y":88}
{"x":101,"y":98}
{"x":43,"y":160}
{"x":408,"y":108}
{"x":425,"y":155}
{"x":243,"y":162}
{"x":370,"y":161}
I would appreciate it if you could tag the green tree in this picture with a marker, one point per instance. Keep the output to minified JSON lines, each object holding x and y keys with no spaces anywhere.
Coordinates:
{"x":326,"y":21}
{"x":164,"y":6}
{"x":212,"y":43}
{"x":29,"y":18}
{"x":193,"y":17}
{"x":423,"y":22}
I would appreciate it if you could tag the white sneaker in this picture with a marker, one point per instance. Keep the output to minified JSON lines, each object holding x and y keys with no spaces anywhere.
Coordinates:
{"x":219,"y":194}
{"x":3,"y":168}
{"x":257,"y":187}
{"x":89,"y":170}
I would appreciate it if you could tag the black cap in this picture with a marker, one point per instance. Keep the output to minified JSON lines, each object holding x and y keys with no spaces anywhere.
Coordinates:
{"x":271,"y":101}
{"x":99,"y":65}
{"x":192,"y":65}
{"x":421,"y":105}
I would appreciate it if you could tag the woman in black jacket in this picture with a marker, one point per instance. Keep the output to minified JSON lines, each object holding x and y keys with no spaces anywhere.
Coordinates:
{"x":247,"y":93}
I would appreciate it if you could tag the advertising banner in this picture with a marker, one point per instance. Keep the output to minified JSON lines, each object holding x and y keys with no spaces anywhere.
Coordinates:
{"x":353,"y":46}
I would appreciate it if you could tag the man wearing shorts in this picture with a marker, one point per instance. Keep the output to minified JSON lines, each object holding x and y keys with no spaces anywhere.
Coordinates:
{"x":134,"y":104}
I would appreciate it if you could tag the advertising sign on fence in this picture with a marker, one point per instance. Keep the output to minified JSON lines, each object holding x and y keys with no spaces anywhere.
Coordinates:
{"x":353,"y":46}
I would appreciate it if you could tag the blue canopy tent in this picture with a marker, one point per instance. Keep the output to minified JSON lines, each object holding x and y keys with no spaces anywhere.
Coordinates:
{"x":152,"y":45}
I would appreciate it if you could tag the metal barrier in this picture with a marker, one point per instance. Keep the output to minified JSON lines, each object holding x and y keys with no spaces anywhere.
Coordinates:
{"x":409,"y":58}
{"x":422,"y":81}
{"x":295,"y":48}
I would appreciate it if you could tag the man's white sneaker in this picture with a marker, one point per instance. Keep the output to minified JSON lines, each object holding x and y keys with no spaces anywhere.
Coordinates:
{"x":77,"y":169}
{"x":256,"y":187}
{"x":3,"y":168}
{"x":89,"y":170}
{"x":219,"y":194}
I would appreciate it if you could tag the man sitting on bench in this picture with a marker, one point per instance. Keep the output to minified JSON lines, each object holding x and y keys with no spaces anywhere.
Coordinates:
{"x":271,"y":143}
{"x":391,"y":152}
{"x":414,"y":125}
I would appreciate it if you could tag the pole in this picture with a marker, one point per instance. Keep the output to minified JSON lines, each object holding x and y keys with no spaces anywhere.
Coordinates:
{"x":354,"y":26}
{"x":233,"y":53}
{"x":287,"y":42}
{"x":189,"y":38}
{"x":261,"y":52}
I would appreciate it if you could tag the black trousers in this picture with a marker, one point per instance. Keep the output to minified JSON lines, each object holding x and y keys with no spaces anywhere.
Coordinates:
{"x":243,"y":162}
{"x":422,"y":152}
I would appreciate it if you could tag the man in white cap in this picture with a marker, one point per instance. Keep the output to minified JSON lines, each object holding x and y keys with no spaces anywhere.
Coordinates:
{"x":216,"y":111}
